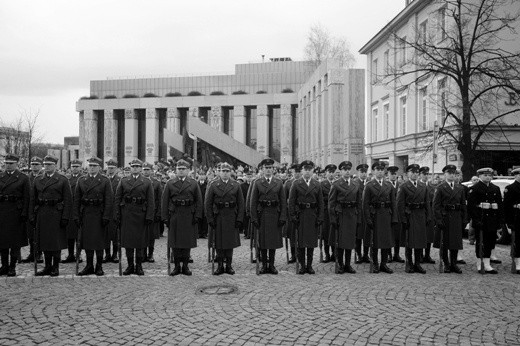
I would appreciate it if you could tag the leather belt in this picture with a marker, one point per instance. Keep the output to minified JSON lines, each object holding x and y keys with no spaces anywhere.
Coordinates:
{"x":349,"y":204}
{"x":182,"y":202}
{"x":516,"y":206}
{"x":486,"y":205}
{"x":452,"y":207}
{"x":378,"y":205}
{"x":416,"y":205}
{"x":9,"y":198}
{"x":134,"y":200}
{"x":51,"y":202}
{"x":308,"y":205}
{"x":87,"y":201}
{"x":265,"y":203}
{"x":231,"y":204}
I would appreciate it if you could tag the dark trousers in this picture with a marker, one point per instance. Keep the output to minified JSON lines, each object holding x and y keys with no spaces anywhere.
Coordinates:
{"x":384,"y":256}
{"x":301,"y":255}
{"x":358,"y":248}
{"x":181,"y":255}
{"x":52,"y":258}
{"x":348,"y":255}
{"x":490,"y":239}
{"x":203,"y":228}
{"x":90,"y":256}
{"x":224,"y":254}
{"x":4,"y":253}
{"x":130,"y":255}
{"x":452,"y":258}
{"x":270,"y":259}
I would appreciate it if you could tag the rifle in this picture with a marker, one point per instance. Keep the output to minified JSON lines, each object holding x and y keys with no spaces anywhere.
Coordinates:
{"x":481,"y":243}
{"x":119,"y":249}
{"x":297,"y":248}
{"x":36,"y":236}
{"x":336,"y":264}
{"x":513,"y":248}
{"x":257,"y":250}
{"x":78,"y":249}
{"x":213,"y":245}
{"x":321,"y":243}
{"x":168,"y":250}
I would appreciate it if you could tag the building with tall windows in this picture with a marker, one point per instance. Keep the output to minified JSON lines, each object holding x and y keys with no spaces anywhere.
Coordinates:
{"x":283,"y":109}
{"x":402,"y":113}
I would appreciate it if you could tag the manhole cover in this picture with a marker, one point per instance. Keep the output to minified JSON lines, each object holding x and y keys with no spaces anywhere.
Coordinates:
{"x":217,"y":289}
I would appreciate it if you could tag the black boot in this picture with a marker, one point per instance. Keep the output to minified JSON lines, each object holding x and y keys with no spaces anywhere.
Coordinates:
{"x":339,"y":255}
{"x":272,"y":269}
{"x":348,"y":268}
{"x":177,"y":268}
{"x":89,"y":268}
{"x":310,"y":255}
{"x":48,"y":266}
{"x":417,"y":265}
{"x":229,"y":268}
{"x":70,"y":258}
{"x":139,"y":266}
{"x":263,"y":269}
{"x":108,"y":257}
{"x":4,"y":269}
{"x":185,"y":269}
{"x":12,"y":269}
{"x":453,"y":259}
{"x":365,"y":255}
{"x":99,"y":269}
{"x":220,"y":267}
{"x":301,"y":261}
{"x":115,"y":253}
{"x":427,"y":258}
{"x":383,"y":267}
{"x":130,"y":269}
{"x":150,"y":255}
{"x":55,"y":270}
{"x":409,"y":268}
{"x":375,"y":261}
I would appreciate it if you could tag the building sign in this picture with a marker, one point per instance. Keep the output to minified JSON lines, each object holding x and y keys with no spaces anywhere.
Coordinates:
{"x":452,"y":157}
{"x":513,"y":99}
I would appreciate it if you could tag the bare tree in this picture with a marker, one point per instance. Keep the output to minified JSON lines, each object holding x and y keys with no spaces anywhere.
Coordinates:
{"x":471,"y":53}
{"x":20,"y":134}
{"x":321,"y":45}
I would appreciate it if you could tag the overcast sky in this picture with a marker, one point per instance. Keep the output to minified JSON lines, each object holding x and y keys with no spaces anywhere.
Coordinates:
{"x":50,"y":50}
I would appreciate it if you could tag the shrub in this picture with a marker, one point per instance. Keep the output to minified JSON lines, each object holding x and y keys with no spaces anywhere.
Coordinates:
{"x":287,"y":90}
{"x":149,"y":95}
{"x":93,"y":97}
{"x":215,"y":93}
{"x":195,"y":93}
{"x":261,"y":92}
{"x":239,"y":92}
{"x":110,"y":97}
{"x":173,"y":94}
{"x":130,"y":96}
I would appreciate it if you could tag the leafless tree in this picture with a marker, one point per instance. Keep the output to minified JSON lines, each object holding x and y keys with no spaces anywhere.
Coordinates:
{"x":321,"y":45}
{"x":20,"y":135}
{"x":471,"y":53}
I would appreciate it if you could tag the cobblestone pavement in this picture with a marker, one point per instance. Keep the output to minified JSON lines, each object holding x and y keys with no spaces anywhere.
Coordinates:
{"x":270,"y":309}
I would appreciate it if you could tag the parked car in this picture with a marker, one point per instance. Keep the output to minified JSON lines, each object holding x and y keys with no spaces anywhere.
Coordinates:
{"x":504,"y":235}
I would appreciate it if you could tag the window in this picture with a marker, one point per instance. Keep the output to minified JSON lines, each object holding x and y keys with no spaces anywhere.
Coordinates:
{"x":401,"y":51}
{"x":386,"y":62}
{"x":423,"y":108}
{"x":374,"y":114}
{"x":402,"y":102}
{"x":386,"y":114}
{"x":442,"y":99}
{"x":423,"y":32}
{"x":374,"y":71}
{"x":442,"y":23}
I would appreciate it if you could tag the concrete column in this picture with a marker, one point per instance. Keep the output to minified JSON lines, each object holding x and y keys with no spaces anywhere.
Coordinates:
{"x":110,"y":135}
{"x":173,"y":120}
{"x":81,"y":135}
{"x":90,"y":133}
{"x":262,"y":130}
{"x":215,"y":118}
{"x":152,"y":135}
{"x":131,"y":133}
{"x":286,"y":129}
{"x":239,"y":124}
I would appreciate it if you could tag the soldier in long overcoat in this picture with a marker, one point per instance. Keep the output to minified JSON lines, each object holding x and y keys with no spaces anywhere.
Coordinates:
{"x":154,"y":229}
{"x":379,"y":212}
{"x":72,"y":228}
{"x":268,"y":214}
{"x":224,"y":206}
{"x":486,"y":209}
{"x":449,"y":205}
{"x":134,"y":211}
{"x":414,"y":215}
{"x":14,"y":206}
{"x":396,"y":228}
{"x":50,"y":210}
{"x":362,"y":181}
{"x":326,"y":185}
{"x":92,"y":212}
{"x":306,"y":212}
{"x":512,"y":214}
{"x":36,"y":170}
{"x":112,"y":235}
{"x":431,"y":186}
{"x":344,"y":208}
{"x":181,"y":211}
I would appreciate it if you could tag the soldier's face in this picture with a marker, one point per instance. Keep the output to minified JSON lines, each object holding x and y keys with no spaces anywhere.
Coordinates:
{"x":297,"y":175}
{"x":329,"y":175}
{"x":307,"y":173}
{"x":380,"y":173}
{"x":49,"y":167}
{"x":423,"y":177}
{"x":268,"y":171}
{"x":345,"y":173}
{"x":111,"y":170}
{"x":182,"y":172}
{"x":147,"y":172}
{"x":450,"y":177}
{"x":93,"y":169}
{"x":362,"y":175}
{"x":75,"y":169}
{"x":413,"y":175}
{"x":225,"y":173}
{"x":126,"y":173}
{"x":36,"y":168}
{"x":10,"y":167}
{"x":486,"y":178}
{"x":392,"y":176}
{"x":135,"y":169}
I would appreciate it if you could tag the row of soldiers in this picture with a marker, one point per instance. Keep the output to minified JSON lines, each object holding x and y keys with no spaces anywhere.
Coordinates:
{"x":346,"y":214}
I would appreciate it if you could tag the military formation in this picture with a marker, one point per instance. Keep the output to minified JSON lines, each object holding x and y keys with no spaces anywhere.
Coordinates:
{"x":349,"y":216}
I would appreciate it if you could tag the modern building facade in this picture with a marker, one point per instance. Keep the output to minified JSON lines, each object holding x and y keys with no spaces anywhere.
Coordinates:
{"x":401,"y":115}
{"x":283,"y":109}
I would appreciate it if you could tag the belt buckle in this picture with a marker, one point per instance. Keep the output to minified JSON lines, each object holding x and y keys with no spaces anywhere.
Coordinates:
{"x":307,"y":205}
{"x":226,"y":204}
{"x":183,"y":202}
{"x":268,"y":203}
{"x":494,"y":206}
{"x":485,"y":205}
{"x":134,"y":199}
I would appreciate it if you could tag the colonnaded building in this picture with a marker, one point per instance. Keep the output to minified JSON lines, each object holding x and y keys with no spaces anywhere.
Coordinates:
{"x":287,"y":110}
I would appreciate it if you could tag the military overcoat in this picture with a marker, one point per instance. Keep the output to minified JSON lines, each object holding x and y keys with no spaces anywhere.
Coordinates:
{"x":344,"y":208}
{"x":14,"y":207}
